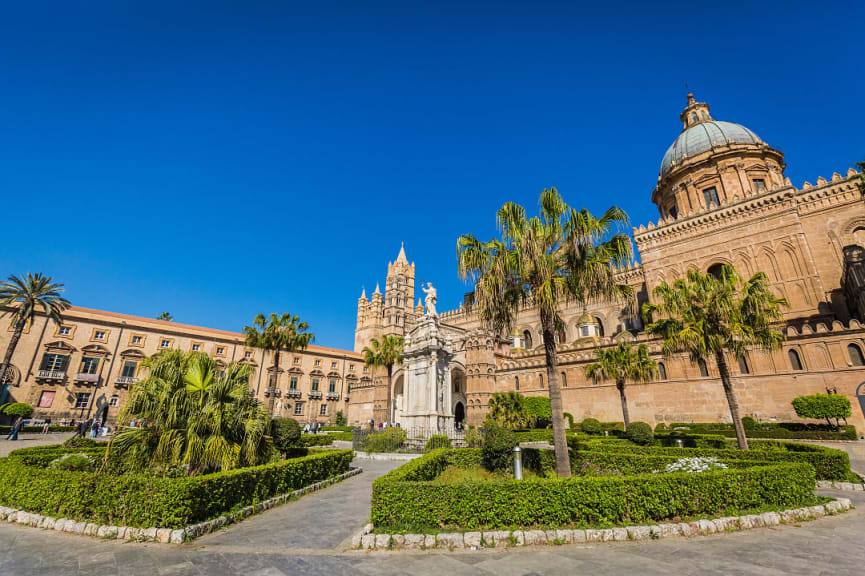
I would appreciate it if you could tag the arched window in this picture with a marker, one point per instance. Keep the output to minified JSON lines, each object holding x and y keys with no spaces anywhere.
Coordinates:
{"x":693,"y":116}
{"x":715,"y":270}
{"x":743,"y":366}
{"x":527,"y":339}
{"x":662,"y":371}
{"x":855,"y":355}
{"x":560,"y":335}
{"x":704,"y":371}
{"x":564,"y":380}
{"x":600,"y":327}
{"x":795,"y":361}
{"x":517,"y":382}
{"x":541,"y":379}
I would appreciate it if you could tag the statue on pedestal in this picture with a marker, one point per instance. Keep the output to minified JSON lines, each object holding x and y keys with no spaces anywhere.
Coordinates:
{"x":430,"y":300}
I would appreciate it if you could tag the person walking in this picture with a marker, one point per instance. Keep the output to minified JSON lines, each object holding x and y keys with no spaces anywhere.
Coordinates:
{"x":16,"y":428}
{"x":46,"y":426}
{"x":306,"y":428}
{"x":94,"y":428}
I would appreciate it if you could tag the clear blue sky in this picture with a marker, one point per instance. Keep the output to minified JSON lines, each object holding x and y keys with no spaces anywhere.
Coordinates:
{"x":220,"y":159}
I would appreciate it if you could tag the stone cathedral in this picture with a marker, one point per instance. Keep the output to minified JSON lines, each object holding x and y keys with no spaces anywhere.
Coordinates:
{"x":722,"y":198}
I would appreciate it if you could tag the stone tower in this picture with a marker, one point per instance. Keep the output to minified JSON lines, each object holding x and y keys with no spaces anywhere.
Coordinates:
{"x":391,"y":313}
{"x":481,"y":375}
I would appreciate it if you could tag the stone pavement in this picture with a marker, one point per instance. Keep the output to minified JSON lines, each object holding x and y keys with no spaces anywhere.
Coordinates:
{"x":308,"y":537}
{"x":30,"y":440}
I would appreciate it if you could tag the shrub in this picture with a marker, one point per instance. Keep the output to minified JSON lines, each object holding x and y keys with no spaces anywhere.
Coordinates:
{"x":437,"y":441}
{"x":76,"y":462}
{"x":388,"y":440}
{"x":538,"y":411}
{"x":570,"y":419}
{"x":640,"y":433}
{"x":17,"y":409}
{"x":339,"y":419}
{"x":749,"y":423}
{"x":82,"y":443}
{"x":151,"y":501}
{"x":695,"y":465}
{"x":591,"y":426}
{"x":497,"y":449}
{"x":822,"y":406}
{"x":285,"y":433}
{"x":474,"y":437}
{"x":660,"y":427}
{"x":310,"y":440}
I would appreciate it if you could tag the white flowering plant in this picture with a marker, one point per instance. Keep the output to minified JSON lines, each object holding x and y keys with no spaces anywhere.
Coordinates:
{"x":76,"y":462}
{"x":696,"y":464}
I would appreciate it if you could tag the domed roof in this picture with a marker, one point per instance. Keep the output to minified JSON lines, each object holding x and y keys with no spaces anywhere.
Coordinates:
{"x":586,"y":318}
{"x":705,"y":136}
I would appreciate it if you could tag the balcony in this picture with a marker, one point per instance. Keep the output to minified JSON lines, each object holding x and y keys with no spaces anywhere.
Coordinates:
{"x":125,"y":380}
{"x":275,"y":392}
{"x":87,"y":377}
{"x":333,"y":395}
{"x":51,"y":374}
{"x":315,"y":394}
{"x":294,"y":393}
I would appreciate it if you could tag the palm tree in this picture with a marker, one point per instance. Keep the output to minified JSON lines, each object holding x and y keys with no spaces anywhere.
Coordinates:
{"x":276,"y":333}
{"x":708,"y":316}
{"x":165,"y":316}
{"x":194,"y":415}
{"x":508,"y":409}
{"x":24,"y":295}
{"x":385,"y":352}
{"x":543,"y":262}
{"x":622,"y":363}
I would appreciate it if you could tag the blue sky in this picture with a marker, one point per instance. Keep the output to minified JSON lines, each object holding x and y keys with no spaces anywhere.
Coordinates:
{"x":220,"y":159}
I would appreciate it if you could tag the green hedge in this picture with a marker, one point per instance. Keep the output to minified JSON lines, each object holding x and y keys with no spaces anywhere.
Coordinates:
{"x":348,"y":429}
{"x":408,"y":499}
{"x":6,"y":429}
{"x":779,"y":430}
{"x":147,"y":501}
{"x":309,"y":440}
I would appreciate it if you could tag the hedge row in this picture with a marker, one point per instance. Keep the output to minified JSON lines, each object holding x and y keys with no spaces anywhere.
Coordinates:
{"x":338,"y":428}
{"x":309,"y":440}
{"x":830,"y":464}
{"x":148,"y":501}
{"x":52,"y":428}
{"x":406,"y":499}
{"x":780,"y":430}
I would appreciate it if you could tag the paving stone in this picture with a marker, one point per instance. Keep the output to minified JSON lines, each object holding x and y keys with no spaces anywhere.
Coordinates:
{"x":689,"y":528}
{"x":594,"y":535}
{"x":368,"y":541}
{"x":518,"y":538}
{"x":619,"y":534}
{"x":356,"y":540}
{"x":579,"y":535}
{"x":429,"y":541}
{"x":638,"y":532}
{"x":670,"y":530}
{"x":533,"y":537}
{"x":771,"y":518}
{"x":414,"y":540}
{"x":497,"y":538}
{"x":472,"y":539}
{"x":450,"y":540}
{"x":177,"y":537}
{"x":382,"y":541}
{"x":22,"y":517}
{"x":817,"y":511}
{"x":564,"y":536}
{"x":707,"y":527}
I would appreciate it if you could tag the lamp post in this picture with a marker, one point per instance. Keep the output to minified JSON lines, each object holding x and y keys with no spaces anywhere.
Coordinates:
{"x":518,"y":463}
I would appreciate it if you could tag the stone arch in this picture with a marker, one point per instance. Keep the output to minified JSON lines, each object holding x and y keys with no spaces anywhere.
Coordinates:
{"x":821,"y":356}
{"x":742,"y":263}
{"x":860,"y":395}
{"x":771,"y":266}
{"x":790,"y":258}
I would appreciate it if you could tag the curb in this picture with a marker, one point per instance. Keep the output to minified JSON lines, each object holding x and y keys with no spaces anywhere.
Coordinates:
{"x":160,"y":535}
{"x":831,"y":484}
{"x":366,"y":539}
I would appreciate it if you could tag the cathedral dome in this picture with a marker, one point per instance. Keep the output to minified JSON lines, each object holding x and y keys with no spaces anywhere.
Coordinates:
{"x":703,"y":137}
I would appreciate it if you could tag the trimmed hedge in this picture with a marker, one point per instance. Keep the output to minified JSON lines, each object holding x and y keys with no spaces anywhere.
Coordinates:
{"x":148,"y":501}
{"x":348,"y":429}
{"x":777,"y":430}
{"x":52,"y":428}
{"x":310,"y":440}
{"x":408,"y":499}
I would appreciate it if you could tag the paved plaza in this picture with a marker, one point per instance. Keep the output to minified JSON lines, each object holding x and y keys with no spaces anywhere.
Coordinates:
{"x":311,"y":536}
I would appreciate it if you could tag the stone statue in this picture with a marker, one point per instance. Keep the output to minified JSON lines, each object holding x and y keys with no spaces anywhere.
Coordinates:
{"x":430,"y":300}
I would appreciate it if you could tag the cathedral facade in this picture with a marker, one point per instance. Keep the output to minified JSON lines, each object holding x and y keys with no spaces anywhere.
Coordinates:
{"x":722,"y":198}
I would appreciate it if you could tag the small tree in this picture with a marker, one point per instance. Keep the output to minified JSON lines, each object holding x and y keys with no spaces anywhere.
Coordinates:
{"x":17,"y":409}
{"x":508,"y":409}
{"x":285,"y":433}
{"x":622,"y":363}
{"x":385,"y":352}
{"x":539,"y":411}
{"x":339,"y":418}
{"x":823,"y":406}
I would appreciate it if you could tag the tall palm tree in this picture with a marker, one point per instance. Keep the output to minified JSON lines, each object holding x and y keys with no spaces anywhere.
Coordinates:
{"x":543,"y":262}
{"x":194,"y":415}
{"x":710,"y":316}
{"x":165,"y":316}
{"x":24,"y":295}
{"x":508,"y":409}
{"x":622,"y":363}
{"x":277,"y":333}
{"x":385,"y":352}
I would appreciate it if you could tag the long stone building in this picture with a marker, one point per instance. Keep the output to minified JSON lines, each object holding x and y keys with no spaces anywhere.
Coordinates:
{"x":722,"y":197}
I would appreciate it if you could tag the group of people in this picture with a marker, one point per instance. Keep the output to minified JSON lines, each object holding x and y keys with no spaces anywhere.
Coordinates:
{"x":95,"y":428}
{"x":312,"y":428}
{"x":17,"y":425}
{"x":383,"y":425}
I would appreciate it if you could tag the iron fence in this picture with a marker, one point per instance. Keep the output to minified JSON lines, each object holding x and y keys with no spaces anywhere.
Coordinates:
{"x":404,"y":440}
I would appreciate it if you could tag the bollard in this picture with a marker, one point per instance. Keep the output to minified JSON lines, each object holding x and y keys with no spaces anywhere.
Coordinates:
{"x":679,"y":443}
{"x":518,"y":463}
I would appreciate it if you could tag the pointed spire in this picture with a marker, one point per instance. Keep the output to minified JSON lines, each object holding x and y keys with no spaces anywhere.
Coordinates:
{"x":363,"y":293}
{"x":377,"y":289}
{"x":401,"y":257}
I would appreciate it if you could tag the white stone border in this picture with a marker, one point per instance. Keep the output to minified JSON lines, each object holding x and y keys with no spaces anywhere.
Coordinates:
{"x":366,"y":539}
{"x":161,"y":535}
{"x":831,"y":484}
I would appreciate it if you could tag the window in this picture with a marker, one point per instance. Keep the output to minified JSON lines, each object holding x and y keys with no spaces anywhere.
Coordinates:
{"x":247,"y":354}
{"x":710,"y":195}
{"x":220,"y":351}
{"x":46,"y":399}
{"x":564,"y":380}
{"x":541,"y":379}
{"x":296,"y":360}
{"x":292,"y":384}
{"x":332,"y":386}
{"x":314,"y":384}
{"x":527,"y":339}
{"x":318,"y":362}
{"x":855,"y":354}
{"x":82,"y":399}
{"x":64,"y":331}
{"x":165,"y":343}
{"x":270,"y":380}
{"x":99,"y":334}
{"x":585,"y":331}
{"x":298,"y":409}
{"x":136,"y":340}
{"x":351,"y":367}
{"x":89,"y":365}
{"x":323,"y":410}
{"x":674,"y":212}
{"x":662,"y":371}
{"x":196,"y":347}
{"x":129,"y":369}
{"x":704,"y":371}
{"x":113,"y":401}
{"x":365,"y":369}
{"x":759,"y":185}
{"x":693,"y":116}
{"x":743,"y":366}
{"x":56,"y":362}
{"x":333,"y":365}
{"x":517,"y":382}
{"x":795,"y":361}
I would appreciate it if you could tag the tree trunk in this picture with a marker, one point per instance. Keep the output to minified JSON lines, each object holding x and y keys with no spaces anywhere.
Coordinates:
{"x":731,"y":400}
{"x":389,"y":375}
{"x":273,"y":385}
{"x":563,"y":461}
{"x":7,"y":358}
{"x":620,"y":384}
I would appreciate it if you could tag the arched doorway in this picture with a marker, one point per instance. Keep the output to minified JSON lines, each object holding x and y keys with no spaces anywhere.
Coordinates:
{"x":860,"y":395}
{"x":398,"y":398}
{"x":459,"y":414}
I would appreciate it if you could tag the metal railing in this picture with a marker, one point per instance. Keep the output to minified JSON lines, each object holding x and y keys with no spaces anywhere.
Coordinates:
{"x":332,"y":395}
{"x":87,"y":377}
{"x":294,"y":393}
{"x":402,"y":440}
{"x":125,"y":380}
{"x":51,"y":374}
{"x":315,"y":394}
